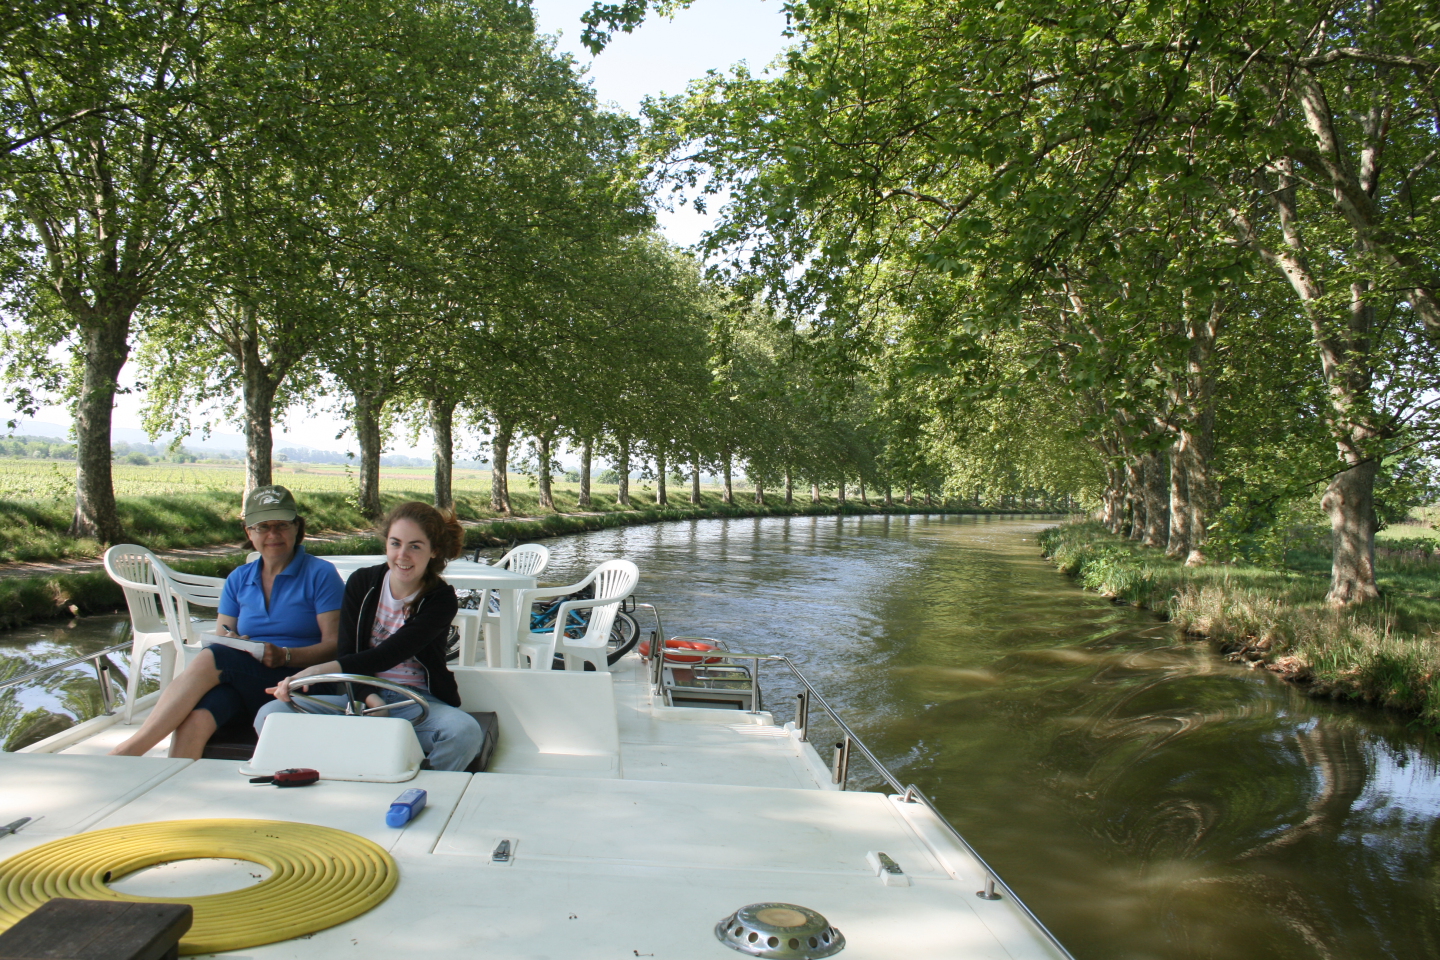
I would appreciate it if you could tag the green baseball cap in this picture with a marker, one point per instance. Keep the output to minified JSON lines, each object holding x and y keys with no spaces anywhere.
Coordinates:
{"x":269,"y":503}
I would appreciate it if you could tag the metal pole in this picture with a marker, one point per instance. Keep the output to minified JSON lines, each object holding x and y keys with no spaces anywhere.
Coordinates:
{"x":989,"y":892}
{"x":25,"y":678}
{"x":102,"y":673}
{"x":802,"y":714}
{"x":840,"y":771}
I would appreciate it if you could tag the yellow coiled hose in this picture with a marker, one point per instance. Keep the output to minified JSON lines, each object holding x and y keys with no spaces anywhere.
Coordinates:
{"x":319,"y":876}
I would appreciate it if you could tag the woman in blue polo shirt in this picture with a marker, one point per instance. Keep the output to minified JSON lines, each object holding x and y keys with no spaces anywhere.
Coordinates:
{"x":286,"y":599}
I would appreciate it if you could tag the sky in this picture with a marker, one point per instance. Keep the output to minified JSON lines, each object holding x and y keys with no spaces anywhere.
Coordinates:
{"x":661,"y":56}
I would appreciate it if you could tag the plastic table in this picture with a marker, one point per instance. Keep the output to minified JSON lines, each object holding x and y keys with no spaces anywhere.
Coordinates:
{"x":469,"y":575}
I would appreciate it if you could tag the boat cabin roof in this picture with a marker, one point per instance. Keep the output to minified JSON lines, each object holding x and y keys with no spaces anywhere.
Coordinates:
{"x":632,"y":834}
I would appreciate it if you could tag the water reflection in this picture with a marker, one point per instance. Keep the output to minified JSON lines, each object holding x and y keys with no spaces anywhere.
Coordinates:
{"x":1147,"y":798}
{"x":63,"y":698}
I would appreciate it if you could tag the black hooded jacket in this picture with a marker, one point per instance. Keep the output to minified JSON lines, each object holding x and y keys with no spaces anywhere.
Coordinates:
{"x":423,"y":635}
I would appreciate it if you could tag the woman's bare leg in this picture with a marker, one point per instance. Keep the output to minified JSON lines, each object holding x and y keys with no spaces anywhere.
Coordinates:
{"x":192,"y":735}
{"x":176,"y":704}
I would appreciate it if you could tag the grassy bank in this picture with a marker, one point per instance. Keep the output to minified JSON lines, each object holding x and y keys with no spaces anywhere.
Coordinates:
{"x":165,"y":506}
{"x":27,"y":599}
{"x":1386,"y":653}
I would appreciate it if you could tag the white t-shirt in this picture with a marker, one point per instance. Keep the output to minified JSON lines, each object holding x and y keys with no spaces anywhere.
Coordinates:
{"x":389,"y":617}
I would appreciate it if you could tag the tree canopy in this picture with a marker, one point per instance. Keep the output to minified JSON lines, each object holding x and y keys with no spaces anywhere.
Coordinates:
{"x":1174,"y":263}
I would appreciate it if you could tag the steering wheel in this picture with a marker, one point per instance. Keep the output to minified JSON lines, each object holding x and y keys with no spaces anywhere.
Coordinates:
{"x":354,"y":706}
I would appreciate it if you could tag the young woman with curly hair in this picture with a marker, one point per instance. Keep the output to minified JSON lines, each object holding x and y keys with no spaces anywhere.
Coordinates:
{"x":394,"y":624}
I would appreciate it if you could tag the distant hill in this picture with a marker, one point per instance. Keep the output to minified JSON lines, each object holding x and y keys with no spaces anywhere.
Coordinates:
{"x":225,"y":443}
{"x":218,"y":445}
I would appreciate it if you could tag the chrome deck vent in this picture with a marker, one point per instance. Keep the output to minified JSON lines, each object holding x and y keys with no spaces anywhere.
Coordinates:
{"x":780,"y":930}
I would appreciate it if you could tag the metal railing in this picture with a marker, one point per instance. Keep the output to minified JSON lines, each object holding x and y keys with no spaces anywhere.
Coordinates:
{"x":102,"y":673}
{"x":840,"y":767}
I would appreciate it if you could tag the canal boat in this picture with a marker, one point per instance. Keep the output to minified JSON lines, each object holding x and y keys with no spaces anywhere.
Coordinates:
{"x":651,"y":809}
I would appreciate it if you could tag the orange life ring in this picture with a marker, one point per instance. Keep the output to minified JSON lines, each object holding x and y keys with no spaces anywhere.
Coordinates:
{"x":677,"y":644}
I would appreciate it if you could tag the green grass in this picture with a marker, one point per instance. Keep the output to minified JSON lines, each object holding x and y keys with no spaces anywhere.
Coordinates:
{"x":167,"y":505}
{"x":1386,"y":652}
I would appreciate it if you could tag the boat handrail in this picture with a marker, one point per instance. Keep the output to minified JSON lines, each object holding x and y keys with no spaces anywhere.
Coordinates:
{"x":102,"y":673}
{"x":657,"y":637}
{"x":840,"y":770}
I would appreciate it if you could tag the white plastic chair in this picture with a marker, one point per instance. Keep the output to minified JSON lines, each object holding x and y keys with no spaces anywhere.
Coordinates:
{"x":154,"y":621}
{"x":192,"y":589}
{"x":614,"y":581}
{"x":528,"y":559}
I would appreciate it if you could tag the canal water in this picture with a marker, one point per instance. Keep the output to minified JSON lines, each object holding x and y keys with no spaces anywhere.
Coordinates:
{"x":1147,"y":798}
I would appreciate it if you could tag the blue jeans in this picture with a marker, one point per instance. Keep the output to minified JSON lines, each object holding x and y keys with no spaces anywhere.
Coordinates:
{"x":450,"y":737}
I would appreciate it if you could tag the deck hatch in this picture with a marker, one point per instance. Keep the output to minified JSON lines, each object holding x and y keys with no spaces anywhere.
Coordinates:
{"x":783,"y":931}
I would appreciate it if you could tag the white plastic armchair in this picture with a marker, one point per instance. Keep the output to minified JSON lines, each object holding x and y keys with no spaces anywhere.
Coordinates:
{"x":193,"y":590}
{"x":154,"y":620}
{"x":614,"y":581}
{"x":528,"y":559}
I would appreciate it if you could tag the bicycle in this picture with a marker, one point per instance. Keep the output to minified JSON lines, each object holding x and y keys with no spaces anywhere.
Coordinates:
{"x":624,"y":632}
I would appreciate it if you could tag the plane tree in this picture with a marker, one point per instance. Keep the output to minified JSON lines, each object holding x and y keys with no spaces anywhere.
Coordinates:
{"x":105,"y":107}
{"x":1016,"y":141}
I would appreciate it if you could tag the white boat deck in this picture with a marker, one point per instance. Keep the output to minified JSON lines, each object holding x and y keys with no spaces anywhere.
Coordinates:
{"x":634,"y":841}
{"x":698,"y":745}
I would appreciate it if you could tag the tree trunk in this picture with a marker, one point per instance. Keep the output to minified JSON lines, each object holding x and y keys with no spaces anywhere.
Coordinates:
{"x":889,"y":496}
{"x":1196,"y":401}
{"x":367,"y":432}
{"x":1350,"y":502}
{"x":910,"y":493}
{"x":662,"y":496}
{"x":1179,"y":543}
{"x":929,"y":499}
{"x":587,"y":454}
{"x":105,"y":351}
{"x":759,"y":492}
{"x":622,"y":467}
{"x":1156,"y":494}
{"x":1347,"y":357}
{"x":840,"y":494}
{"x":1350,"y":498}
{"x":542,"y":477}
{"x":442,"y":420}
{"x":1112,"y":509}
{"x":727,"y":495}
{"x":1135,"y":497}
{"x":1198,"y":446}
{"x":500,"y":465}
{"x":789,"y":487}
{"x":259,"y":390}
{"x":814,"y":492}
{"x":695,"y":479}
{"x":863,"y":499}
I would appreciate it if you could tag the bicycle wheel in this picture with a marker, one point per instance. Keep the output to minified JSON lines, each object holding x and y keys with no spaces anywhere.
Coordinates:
{"x":624,"y":634}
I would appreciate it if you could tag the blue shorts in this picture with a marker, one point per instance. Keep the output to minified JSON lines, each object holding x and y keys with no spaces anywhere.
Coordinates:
{"x":243,"y":681}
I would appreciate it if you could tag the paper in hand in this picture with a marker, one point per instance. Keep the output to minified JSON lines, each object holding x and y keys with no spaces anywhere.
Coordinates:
{"x":255,"y":648}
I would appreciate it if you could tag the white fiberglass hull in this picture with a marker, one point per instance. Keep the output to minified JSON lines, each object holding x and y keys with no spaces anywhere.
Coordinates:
{"x":657,"y":824}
